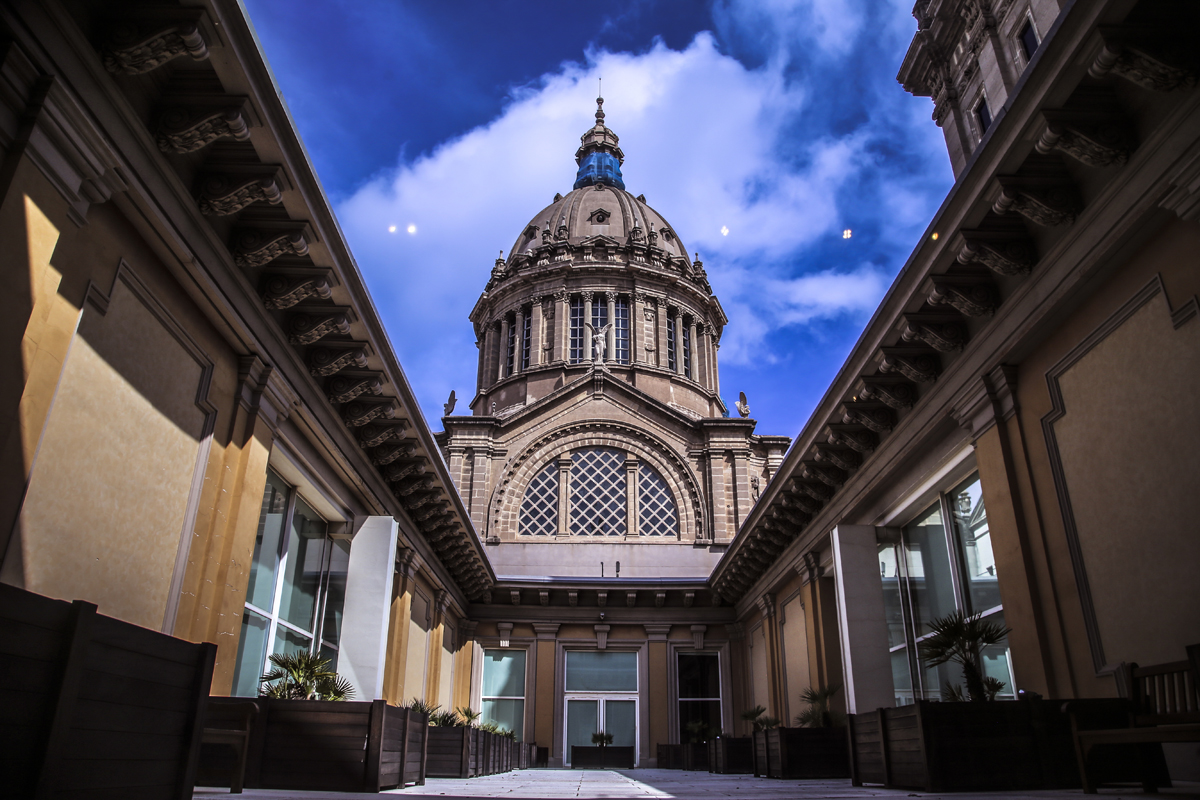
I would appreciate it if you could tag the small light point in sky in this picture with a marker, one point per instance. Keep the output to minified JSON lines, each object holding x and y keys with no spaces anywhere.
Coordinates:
{"x":412,"y":229}
{"x":724,"y":230}
{"x":846,"y":233}
{"x":934,"y":236}
{"x":391,"y":228}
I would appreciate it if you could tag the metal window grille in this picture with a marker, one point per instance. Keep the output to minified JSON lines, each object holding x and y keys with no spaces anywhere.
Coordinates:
{"x":577,"y":331}
{"x":671,"y":342}
{"x":621,"y":331}
{"x":539,"y":508}
{"x":598,"y":492}
{"x":687,"y":350}
{"x":656,"y":507}
{"x":512,"y":349}
{"x":526,"y":337}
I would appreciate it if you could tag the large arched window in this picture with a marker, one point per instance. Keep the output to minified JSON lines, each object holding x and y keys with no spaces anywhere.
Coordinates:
{"x":594,"y":485}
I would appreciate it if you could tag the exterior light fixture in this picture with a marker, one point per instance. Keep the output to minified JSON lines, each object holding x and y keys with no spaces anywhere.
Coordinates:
{"x":724,"y":230}
{"x":412,"y":228}
{"x":846,"y":233}
{"x":934,"y":236}
{"x":391,"y":228}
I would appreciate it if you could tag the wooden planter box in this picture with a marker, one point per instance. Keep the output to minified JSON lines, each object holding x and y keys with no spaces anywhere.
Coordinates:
{"x":806,"y":753}
{"x":93,"y":707}
{"x":670,"y":756}
{"x":469,"y":753}
{"x":319,"y":744}
{"x":1001,"y":745}
{"x":695,"y":757}
{"x":729,"y":755}
{"x":601,"y":757}
{"x":758,"y":753}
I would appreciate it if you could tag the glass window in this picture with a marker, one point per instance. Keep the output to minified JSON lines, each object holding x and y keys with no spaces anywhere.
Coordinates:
{"x":511,"y":348}
{"x":297,"y":586}
{"x":539,"y":507}
{"x":620,"y":719}
{"x":671,"y":341}
{"x":621,"y":331}
{"x":1029,"y":40}
{"x":598,"y":505}
{"x":699,"y":696}
{"x":687,"y":350}
{"x":656,"y":506}
{"x":984,"y":114}
{"x":503,"y":690}
{"x":927,"y":565}
{"x":526,"y":336}
{"x":601,"y":671}
{"x":583,"y":719}
{"x":577,"y":330}
{"x":599,"y":315}
{"x":975,"y":543}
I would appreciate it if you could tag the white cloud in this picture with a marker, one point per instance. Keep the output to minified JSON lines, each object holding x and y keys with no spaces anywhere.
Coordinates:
{"x":701,"y":133}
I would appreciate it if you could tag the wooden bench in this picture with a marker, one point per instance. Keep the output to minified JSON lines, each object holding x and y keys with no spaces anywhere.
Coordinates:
{"x":230,"y":724}
{"x":1163,"y":706}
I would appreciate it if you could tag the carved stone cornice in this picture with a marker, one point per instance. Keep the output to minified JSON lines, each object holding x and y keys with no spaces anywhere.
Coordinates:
{"x":307,"y":328}
{"x":766,"y":604}
{"x":827,"y":474}
{"x":357,"y":413}
{"x":282,"y":291}
{"x":254,"y":247}
{"x":1097,"y":139}
{"x":1154,"y":59}
{"x":376,"y":433}
{"x":942,"y":333}
{"x":152,"y":38}
{"x":800,"y":500}
{"x":1045,"y":201}
{"x":185,"y":125}
{"x":264,"y":392}
{"x":847,"y":460}
{"x":657,"y":631}
{"x":228,"y":191}
{"x":991,"y":398}
{"x":403,"y":468}
{"x":344,"y":388}
{"x":915,"y":363}
{"x":875,"y":416}
{"x":817,"y":491}
{"x":1003,"y":252}
{"x":852,"y":436}
{"x":386,"y":454}
{"x":324,"y":361}
{"x":891,"y":390}
{"x":970,"y":295}
{"x":418,"y":483}
{"x":546,"y":630}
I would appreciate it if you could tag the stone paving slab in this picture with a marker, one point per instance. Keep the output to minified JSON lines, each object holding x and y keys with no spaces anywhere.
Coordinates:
{"x":642,"y":784}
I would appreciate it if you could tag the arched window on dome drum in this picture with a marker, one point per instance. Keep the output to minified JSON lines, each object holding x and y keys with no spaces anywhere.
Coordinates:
{"x":512,"y":348}
{"x":656,"y":507}
{"x":671,"y":359}
{"x":687,"y":350}
{"x":598,"y":506}
{"x":539,"y":509}
{"x":526,"y":337}
{"x":621,"y":331}
{"x":577,"y":330}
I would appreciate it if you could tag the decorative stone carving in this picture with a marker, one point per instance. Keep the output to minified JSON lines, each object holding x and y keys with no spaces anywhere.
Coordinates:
{"x":969,"y":295}
{"x":587,"y":296}
{"x":309,"y":328}
{"x":800,"y":500}
{"x":187,"y":128}
{"x":344,"y":388}
{"x":434,"y":512}
{"x":151,"y":40}
{"x":1097,"y":140}
{"x":864,"y":441}
{"x":630,"y":599}
{"x":373,"y":435}
{"x":388,"y":453}
{"x":875,"y":416}
{"x":544,"y":597}
{"x":1152,"y":59}
{"x":414,"y":484}
{"x":254,"y":247}
{"x":660,"y":599}
{"x":1004,"y":252}
{"x":602,"y":599}
{"x":1042,"y":201}
{"x":561,"y":295}
{"x":573,"y":599}
{"x":222,"y":193}
{"x":514,"y":596}
{"x":601,"y":636}
{"x":941,"y":333}
{"x":284,"y":291}
{"x":323,"y":361}
{"x":359,"y":412}
{"x":847,"y":460}
{"x":414,"y":502}
{"x":914,"y":363}
{"x":689,"y":599}
{"x":829,"y":475}
{"x":895,"y":392}
{"x":816,"y":491}
{"x":403,"y":469}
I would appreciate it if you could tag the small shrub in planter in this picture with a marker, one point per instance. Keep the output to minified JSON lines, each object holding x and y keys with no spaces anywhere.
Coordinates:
{"x":760,"y":724}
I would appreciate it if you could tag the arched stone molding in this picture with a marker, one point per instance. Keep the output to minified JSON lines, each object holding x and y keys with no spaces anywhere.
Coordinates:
{"x":505,"y":505}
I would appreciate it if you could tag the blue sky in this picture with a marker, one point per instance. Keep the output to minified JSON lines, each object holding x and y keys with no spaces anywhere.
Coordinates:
{"x":779,"y":121}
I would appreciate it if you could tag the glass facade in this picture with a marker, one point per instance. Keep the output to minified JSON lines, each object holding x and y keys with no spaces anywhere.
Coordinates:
{"x":933,"y":570}
{"x":620,"y":352}
{"x":297,"y":586}
{"x":577,"y":329}
{"x":503,"y":692}
{"x":699,"y":695}
{"x":601,"y":695}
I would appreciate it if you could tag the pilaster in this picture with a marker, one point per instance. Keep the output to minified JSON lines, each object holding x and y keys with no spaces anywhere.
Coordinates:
{"x":398,"y":625}
{"x":519,"y":349}
{"x":536,"y":333}
{"x":678,"y":342}
{"x":693,"y":359}
{"x":562,"y":329}
{"x":502,"y":351}
{"x":587,"y":318}
{"x":610,"y":338}
{"x":660,"y":311}
{"x":631,"y":498}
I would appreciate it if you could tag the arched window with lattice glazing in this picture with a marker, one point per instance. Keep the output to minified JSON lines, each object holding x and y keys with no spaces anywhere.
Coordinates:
{"x":598,"y":506}
{"x":657,"y":515}
{"x":539,"y":508}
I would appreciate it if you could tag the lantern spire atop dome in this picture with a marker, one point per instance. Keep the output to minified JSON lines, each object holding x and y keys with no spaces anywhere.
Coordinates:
{"x":599,"y":156}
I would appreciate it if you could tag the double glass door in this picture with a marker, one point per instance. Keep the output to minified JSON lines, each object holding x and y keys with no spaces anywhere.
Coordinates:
{"x":601,"y":697}
{"x":588,"y":715}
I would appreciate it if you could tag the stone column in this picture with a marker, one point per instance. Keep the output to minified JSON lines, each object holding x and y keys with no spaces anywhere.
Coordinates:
{"x":610,"y":338}
{"x":716,"y":346}
{"x":716,"y":486}
{"x":362,"y":649}
{"x":536,"y":334}
{"x":631,"y":497}
{"x":433,"y":677}
{"x":519,"y":350}
{"x":502,"y":366}
{"x":766,"y":605}
{"x":587,"y":318}
{"x":661,"y":312}
{"x":398,"y":627}
{"x":564,"y":501}
{"x":562,"y":329}
{"x":464,"y":665}
{"x":862,"y":624}
{"x":695,"y":361}
{"x":487,"y":357}
{"x":678,"y":342}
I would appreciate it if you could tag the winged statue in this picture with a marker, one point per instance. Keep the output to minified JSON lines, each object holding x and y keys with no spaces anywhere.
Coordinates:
{"x":742,"y":406}
{"x":599,"y":340}
{"x":448,"y":408}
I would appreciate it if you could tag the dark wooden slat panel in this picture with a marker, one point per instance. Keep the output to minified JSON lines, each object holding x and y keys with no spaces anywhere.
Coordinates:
{"x":106,"y":774}
{"x":101,"y":716}
{"x":21,"y":638}
{"x":116,"y":661}
{"x":107,"y":687}
{"x":33,"y":608}
{"x":119,"y":793}
{"x":124,"y":745}
{"x":142,"y":641}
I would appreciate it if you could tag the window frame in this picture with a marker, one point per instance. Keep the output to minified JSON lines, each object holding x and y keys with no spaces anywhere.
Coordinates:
{"x":524,"y":682}
{"x":1019,"y":40}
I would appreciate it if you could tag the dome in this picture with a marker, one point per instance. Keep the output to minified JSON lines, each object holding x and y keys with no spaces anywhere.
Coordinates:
{"x":599,"y":210}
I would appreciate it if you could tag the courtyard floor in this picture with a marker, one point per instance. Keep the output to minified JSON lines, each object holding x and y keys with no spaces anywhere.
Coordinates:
{"x":550,"y":784}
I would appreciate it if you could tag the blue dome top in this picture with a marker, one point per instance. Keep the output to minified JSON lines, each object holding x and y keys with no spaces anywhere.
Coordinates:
{"x":599,"y":167}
